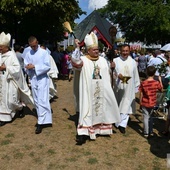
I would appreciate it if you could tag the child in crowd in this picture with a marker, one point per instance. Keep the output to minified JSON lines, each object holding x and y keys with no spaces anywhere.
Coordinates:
{"x":148,"y":90}
{"x":69,"y":68}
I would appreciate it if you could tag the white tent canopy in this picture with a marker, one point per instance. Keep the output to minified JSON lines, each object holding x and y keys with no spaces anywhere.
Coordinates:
{"x":166,"y":47}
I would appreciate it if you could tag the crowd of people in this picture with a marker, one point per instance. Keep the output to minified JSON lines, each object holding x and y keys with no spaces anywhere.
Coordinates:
{"x":104,"y":88}
{"x":62,"y":60}
{"x":93,"y":72}
{"x":34,"y":66}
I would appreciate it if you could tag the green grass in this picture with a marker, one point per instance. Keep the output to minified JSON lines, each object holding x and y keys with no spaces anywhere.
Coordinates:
{"x":28,"y":147}
{"x":141,"y":167}
{"x":51,"y":151}
{"x":71,"y":159}
{"x":156,"y":164}
{"x":38,"y":160}
{"x":5,"y":142}
{"x":70,"y":126}
{"x":87,"y":153}
{"x":18,"y":155}
{"x":92,"y":161}
{"x":51,"y":166}
{"x":41,"y":146}
{"x":135,"y":150}
{"x":5,"y":157}
{"x":32,"y":154}
{"x":10,"y":135}
{"x":108,"y":164}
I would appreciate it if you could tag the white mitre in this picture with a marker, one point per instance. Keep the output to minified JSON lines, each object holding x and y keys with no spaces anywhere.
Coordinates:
{"x":91,"y":40}
{"x":5,"y":39}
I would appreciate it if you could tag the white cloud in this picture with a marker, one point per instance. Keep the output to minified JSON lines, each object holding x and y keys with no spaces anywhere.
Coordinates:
{"x":96,"y":4}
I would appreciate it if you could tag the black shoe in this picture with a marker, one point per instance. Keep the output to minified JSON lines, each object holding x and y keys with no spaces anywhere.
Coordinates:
{"x":46,"y":125}
{"x":21,"y":113}
{"x":122,"y":129}
{"x":38,"y":129}
{"x":115,"y":126}
{"x":2,"y":123}
{"x":80,"y":140}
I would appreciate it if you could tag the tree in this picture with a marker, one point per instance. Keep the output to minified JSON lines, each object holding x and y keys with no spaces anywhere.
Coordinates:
{"x":140,"y":20}
{"x":42,"y":18}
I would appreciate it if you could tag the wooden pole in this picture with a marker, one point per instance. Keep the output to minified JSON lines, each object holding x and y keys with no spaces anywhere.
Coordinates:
{"x":112,"y":33}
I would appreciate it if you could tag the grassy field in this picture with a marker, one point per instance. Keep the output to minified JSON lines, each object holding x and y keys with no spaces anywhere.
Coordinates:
{"x":55,"y":148}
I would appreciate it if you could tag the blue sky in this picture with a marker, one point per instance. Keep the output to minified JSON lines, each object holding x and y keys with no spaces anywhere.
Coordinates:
{"x":84,"y":6}
{"x":89,"y":6}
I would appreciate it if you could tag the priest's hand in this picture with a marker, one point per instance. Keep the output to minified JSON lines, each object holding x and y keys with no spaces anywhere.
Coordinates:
{"x":2,"y":67}
{"x":30,"y":66}
{"x":77,"y":65}
{"x":120,"y":76}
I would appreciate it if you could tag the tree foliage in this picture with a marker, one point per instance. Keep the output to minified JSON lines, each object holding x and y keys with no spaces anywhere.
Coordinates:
{"x":141,"y":20}
{"x":42,"y":18}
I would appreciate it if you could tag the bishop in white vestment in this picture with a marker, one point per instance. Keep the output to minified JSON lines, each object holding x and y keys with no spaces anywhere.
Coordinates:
{"x":98,"y":108}
{"x":13,"y":87}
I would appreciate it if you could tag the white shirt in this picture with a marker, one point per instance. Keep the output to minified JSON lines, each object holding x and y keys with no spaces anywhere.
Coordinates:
{"x":157,"y":61}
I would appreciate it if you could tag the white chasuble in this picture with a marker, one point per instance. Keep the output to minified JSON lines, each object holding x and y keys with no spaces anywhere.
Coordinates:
{"x":98,"y":108}
{"x":13,"y":87}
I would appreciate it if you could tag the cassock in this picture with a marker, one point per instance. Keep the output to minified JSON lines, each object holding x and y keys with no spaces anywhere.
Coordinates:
{"x":40,"y":83}
{"x":98,"y":108}
{"x":13,"y":87}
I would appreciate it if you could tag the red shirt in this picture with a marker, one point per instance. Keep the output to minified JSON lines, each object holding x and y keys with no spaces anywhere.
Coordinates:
{"x":149,"y":89}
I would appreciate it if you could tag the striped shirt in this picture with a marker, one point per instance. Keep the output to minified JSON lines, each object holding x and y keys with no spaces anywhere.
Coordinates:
{"x":149,"y":89}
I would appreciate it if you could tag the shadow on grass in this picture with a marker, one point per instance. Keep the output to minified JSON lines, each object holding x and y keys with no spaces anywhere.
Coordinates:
{"x":26,"y":111}
{"x":73,"y":118}
{"x":135,"y":125}
{"x":53,"y":99}
{"x":159,"y":145}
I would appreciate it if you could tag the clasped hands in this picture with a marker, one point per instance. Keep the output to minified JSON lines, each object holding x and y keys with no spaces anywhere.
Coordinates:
{"x":29,"y":66}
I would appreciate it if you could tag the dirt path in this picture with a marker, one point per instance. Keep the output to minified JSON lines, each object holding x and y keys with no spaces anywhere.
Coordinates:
{"x":55,"y":149}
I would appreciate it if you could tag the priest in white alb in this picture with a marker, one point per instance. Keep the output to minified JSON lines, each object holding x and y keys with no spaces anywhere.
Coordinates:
{"x":37,"y":64}
{"x":98,"y":108}
{"x":125,"y":66}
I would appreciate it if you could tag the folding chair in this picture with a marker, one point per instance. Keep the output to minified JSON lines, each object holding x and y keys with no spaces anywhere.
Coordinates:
{"x":160,"y":111}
